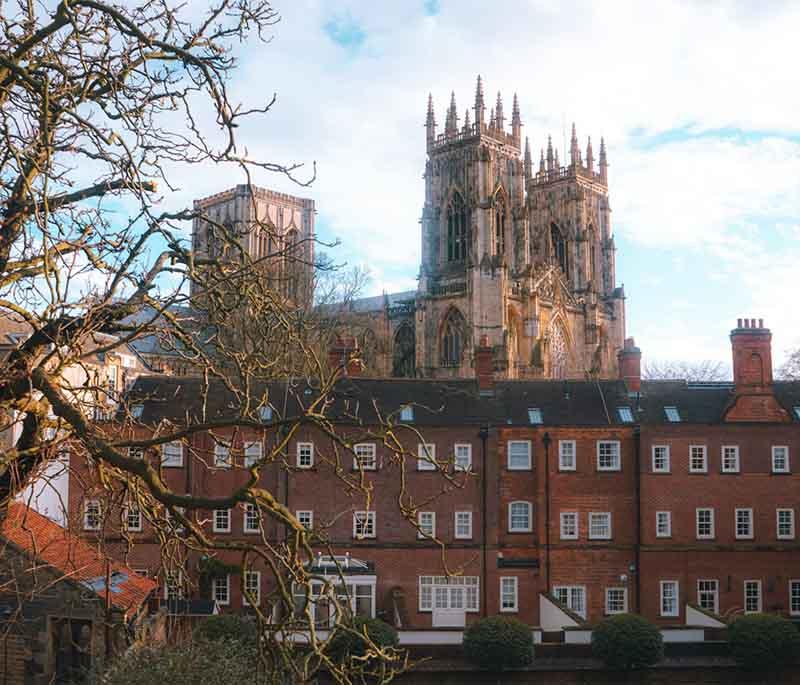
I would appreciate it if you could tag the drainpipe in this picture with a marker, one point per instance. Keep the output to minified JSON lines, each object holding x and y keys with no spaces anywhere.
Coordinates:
{"x":637,"y":447}
{"x":483,"y":434}
{"x":546,"y":442}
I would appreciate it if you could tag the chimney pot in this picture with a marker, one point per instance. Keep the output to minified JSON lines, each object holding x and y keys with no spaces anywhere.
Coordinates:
{"x":738,"y":323}
{"x":761,"y":323}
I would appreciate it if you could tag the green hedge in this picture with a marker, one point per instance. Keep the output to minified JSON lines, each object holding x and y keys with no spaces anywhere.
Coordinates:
{"x":226,"y":627}
{"x":498,"y":642}
{"x":764,"y":641}
{"x":627,"y":641}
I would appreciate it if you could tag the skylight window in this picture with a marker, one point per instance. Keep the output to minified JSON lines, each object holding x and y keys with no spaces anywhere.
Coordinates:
{"x":137,"y":410}
{"x":797,"y":412}
{"x":535,"y":415}
{"x":265,"y":413}
{"x":673,"y":416}
{"x":625,"y":414}
{"x":407,"y":413}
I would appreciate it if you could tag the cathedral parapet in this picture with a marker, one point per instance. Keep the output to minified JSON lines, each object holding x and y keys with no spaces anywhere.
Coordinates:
{"x":473,"y":131}
{"x":566,"y":172}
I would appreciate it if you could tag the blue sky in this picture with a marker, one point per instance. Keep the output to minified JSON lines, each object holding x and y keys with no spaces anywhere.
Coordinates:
{"x":697,"y":102}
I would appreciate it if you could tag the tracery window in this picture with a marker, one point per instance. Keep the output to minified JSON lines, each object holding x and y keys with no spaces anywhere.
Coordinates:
{"x":403,"y":354}
{"x":453,"y":332}
{"x":500,"y":215}
{"x":457,"y":233}
{"x":558,"y":353}
{"x":559,"y":248}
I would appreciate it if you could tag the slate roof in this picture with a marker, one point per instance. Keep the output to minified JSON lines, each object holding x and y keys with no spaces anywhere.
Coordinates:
{"x":374,"y":303}
{"x":54,"y":546}
{"x":455,"y":402}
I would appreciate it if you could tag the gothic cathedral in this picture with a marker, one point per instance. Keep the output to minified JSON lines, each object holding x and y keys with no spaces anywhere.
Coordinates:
{"x":518,"y":260}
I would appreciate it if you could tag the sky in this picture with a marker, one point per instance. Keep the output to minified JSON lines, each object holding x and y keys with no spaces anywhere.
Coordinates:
{"x":698,"y":104}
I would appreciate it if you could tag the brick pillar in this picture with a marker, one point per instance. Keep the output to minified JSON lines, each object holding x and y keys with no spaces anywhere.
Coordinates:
{"x":484,"y":364}
{"x":630,"y":365}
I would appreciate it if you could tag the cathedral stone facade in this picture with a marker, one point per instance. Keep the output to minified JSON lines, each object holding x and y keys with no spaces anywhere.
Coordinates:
{"x":515,"y":259}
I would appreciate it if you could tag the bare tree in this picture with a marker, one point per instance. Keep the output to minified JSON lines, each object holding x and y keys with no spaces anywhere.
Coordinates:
{"x":790,"y":369}
{"x":707,"y":370}
{"x":101,"y":105}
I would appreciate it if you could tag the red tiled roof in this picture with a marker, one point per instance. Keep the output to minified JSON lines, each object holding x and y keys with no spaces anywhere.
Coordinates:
{"x":55,"y":546}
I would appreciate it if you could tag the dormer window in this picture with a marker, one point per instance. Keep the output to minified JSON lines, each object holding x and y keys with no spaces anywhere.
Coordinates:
{"x":407,"y":413}
{"x":797,"y":412}
{"x":265,"y":413}
{"x":672,"y":414}
{"x":625,"y":414}
{"x":535,"y":415}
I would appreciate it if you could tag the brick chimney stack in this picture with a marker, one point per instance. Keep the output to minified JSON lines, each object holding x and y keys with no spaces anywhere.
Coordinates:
{"x":484,"y":365}
{"x":752,"y":355}
{"x":344,"y":353}
{"x":630,"y":365}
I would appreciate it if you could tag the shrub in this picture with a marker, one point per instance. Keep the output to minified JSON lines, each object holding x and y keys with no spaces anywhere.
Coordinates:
{"x":498,"y":643}
{"x":219,"y":662}
{"x":763,"y":641}
{"x":627,"y":641}
{"x":349,"y":641}
{"x":226,"y":627}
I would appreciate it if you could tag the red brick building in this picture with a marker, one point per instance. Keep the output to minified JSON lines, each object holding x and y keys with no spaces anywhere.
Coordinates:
{"x":596,"y":497}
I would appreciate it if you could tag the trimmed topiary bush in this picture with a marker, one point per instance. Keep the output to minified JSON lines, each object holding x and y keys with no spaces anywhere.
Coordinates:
{"x":627,"y":641}
{"x":498,"y":643}
{"x":763,"y":641}
{"x":348,"y":641}
{"x":226,"y":627}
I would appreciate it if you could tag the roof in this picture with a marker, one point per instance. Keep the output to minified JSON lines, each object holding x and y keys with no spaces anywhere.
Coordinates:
{"x":446,"y":402}
{"x":42,"y":539}
{"x":378,"y":302}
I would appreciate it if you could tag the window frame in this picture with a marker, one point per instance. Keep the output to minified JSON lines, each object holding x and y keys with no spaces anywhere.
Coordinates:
{"x":299,"y":448}
{"x":750,"y":522}
{"x":370,"y":524}
{"x":456,"y":535}
{"x":358,"y":464}
{"x":667,"y":468}
{"x":465,"y":468}
{"x":429,"y":463}
{"x":574,"y":455}
{"x":787,"y":467}
{"x":625,"y":414}
{"x":222,"y":455}
{"x":759,"y":596}
{"x":529,"y":516}
{"x":529,"y":461}
{"x":214,"y":524}
{"x":704,"y":449}
{"x":247,"y":593}
{"x":673,"y":416}
{"x":250,"y":460}
{"x":794,"y":596}
{"x":561,"y":516}
{"x":791,"y":534}
{"x":135,"y":453}
{"x":715,"y":581}
{"x":299,"y":514}
{"x":514,"y":592}
{"x":724,"y":468}
{"x":227,"y":601}
{"x":676,"y":599}
{"x":129,"y":508}
{"x":624,"y":610}
{"x":166,"y":461}
{"x":570,"y":589}
{"x":246,"y":529}
{"x":422,"y":533}
{"x":535,"y":416}
{"x":471,"y":586}
{"x":712,"y":523}
{"x":668,"y":533}
{"x":593,"y":515}
{"x":618,"y":454}
{"x":99,"y":514}
{"x":407,"y":413}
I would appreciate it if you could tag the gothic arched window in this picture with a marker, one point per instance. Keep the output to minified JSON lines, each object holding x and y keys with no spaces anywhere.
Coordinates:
{"x":558,"y":248}
{"x":453,"y":338}
{"x":457,"y":234}
{"x":558,"y":352}
{"x":500,"y":216}
{"x":403,"y":355}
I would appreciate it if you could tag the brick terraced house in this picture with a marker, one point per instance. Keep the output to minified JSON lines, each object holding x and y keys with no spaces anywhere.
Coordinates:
{"x":557,"y":501}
